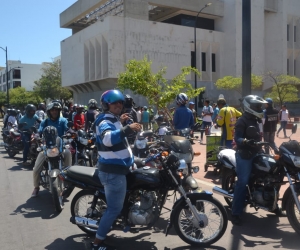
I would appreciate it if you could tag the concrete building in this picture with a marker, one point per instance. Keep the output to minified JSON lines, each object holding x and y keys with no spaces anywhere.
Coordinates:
{"x":20,"y":75}
{"x":106,"y":34}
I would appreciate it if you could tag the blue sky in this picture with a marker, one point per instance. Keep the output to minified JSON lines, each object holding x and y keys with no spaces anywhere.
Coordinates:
{"x":30,"y":29}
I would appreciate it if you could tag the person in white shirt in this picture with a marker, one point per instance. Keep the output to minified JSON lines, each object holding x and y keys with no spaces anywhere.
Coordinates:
{"x":12,"y":120}
{"x":139,"y":114}
{"x":207,"y":112}
{"x":284,"y":117}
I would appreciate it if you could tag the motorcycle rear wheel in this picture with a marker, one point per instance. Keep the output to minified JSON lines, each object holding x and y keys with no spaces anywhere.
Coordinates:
{"x":57,"y":188}
{"x":11,"y":153}
{"x":214,"y":218}
{"x":293,"y":213}
{"x":81,"y":205}
{"x":228,"y":183}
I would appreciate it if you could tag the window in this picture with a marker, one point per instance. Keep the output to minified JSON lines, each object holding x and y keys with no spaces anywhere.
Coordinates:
{"x":203,"y":60}
{"x":287,"y":32}
{"x":295,"y":29}
{"x":16,"y":74}
{"x":213,"y":62}
{"x":4,"y":88}
{"x":4,"y":78}
{"x":287,"y":67}
{"x":17,"y":84}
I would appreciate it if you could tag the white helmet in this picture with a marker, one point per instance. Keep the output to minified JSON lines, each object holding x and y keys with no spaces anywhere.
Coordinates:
{"x":181,"y":99}
{"x":253,"y":104}
{"x":92,"y":103}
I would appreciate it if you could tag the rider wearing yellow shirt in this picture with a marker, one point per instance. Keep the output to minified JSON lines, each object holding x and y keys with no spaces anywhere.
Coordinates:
{"x":226,"y":120}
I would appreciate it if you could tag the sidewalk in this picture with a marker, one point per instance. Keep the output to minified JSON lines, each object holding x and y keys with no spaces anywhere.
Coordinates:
{"x":210,"y":176}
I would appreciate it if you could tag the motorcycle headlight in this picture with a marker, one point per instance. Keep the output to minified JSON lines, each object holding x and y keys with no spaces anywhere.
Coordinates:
{"x":83,"y":141}
{"x":52,"y":152}
{"x":140,"y":144}
{"x":296,"y":160}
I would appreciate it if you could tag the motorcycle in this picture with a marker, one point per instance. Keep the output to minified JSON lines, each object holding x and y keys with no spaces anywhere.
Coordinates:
{"x":267,"y":177}
{"x":53,"y":165}
{"x":198,"y":218}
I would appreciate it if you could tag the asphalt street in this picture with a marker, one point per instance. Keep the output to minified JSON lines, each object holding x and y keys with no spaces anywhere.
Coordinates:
{"x":31,"y":223}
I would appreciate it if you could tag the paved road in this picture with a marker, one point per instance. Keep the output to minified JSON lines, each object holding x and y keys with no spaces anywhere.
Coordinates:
{"x":30,"y":223}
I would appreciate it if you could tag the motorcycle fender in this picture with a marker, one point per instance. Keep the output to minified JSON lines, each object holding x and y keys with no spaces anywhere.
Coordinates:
{"x":191,"y":182}
{"x":287,"y":194}
{"x":192,"y":196}
{"x":54,"y":173}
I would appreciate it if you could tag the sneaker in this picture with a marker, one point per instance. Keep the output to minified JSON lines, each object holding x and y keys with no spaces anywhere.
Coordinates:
{"x":35,"y":192}
{"x":201,"y":141}
{"x":25,"y":163}
{"x":236,"y":220}
{"x":102,"y":246}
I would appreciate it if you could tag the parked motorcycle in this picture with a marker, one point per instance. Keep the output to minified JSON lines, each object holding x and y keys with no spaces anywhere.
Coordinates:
{"x":198,"y":218}
{"x":267,"y":177}
{"x":53,"y":165}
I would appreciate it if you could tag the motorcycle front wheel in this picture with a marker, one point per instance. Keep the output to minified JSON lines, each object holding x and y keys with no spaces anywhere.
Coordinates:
{"x":293,"y":213}
{"x":211,"y":228}
{"x":57,"y":188}
{"x":81,"y":207}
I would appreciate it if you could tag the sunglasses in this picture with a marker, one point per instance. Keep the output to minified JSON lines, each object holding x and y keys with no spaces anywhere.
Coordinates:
{"x":118,"y":102}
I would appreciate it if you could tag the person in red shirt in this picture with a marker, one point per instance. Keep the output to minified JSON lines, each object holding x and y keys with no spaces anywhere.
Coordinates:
{"x":79,"y":118}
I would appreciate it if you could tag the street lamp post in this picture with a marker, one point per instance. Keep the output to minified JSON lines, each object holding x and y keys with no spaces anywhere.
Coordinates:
{"x":195,"y":51}
{"x":7,"y":93}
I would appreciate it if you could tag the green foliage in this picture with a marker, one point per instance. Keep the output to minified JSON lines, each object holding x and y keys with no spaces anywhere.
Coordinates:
{"x":2,"y":98}
{"x":139,"y":78}
{"x":19,"y":97}
{"x":235,"y":83}
{"x":284,"y":88}
{"x":49,"y":85}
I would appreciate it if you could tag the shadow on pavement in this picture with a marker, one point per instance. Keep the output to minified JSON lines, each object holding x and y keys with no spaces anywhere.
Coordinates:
{"x":40,"y":206}
{"x":262,"y":231}
{"x":73,"y":242}
{"x":20,"y":167}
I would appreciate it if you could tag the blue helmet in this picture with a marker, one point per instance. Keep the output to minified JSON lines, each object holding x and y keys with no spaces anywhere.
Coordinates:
{"x":111,"y":96}
{"x":269,"y":100}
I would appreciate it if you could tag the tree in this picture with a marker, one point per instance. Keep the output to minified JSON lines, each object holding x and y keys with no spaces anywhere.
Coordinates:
{"x":158,"y":91}
{"x":235,"y":83}
{"x":284,"y":88}
{"x":19,"y":97}
{"x":49,"y":85}
{"x":2,"y":98}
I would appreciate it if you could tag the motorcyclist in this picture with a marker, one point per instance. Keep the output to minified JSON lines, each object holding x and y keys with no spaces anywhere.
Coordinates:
{"x":26,"y":122}
{"x":91,"y":113}
{"x":246,"y":150}
{"x":183,"y":116}
{"x":162,"y":126}
{"x":79,"y":118}
{"x":60,"y":123}
{"x":115,"y":159}
{"x":41,"y":111}
{"x":12,"y":119}
{"x":66,"y":112}
{"x":5,"y":119}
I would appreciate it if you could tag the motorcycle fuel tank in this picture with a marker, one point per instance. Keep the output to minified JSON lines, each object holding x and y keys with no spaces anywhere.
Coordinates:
{"x":264,"y":163}
{"x":145,"y":178}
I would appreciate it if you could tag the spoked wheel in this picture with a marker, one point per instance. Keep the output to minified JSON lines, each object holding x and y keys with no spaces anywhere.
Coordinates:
{"x":57,"y":188}
{"x":212,"y":226}
{"x":293,"y":213}
{"x":81,"y":207}
{"x":229,"y":179}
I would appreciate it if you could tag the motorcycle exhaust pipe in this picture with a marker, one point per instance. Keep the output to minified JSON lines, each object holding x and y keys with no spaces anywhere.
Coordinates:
{"x":222,"y":192}
{"x":80,"y":221}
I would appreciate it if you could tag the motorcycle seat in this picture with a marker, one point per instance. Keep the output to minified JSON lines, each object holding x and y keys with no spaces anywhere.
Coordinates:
{"x":15,"y":133}
{"x":85,"y":174}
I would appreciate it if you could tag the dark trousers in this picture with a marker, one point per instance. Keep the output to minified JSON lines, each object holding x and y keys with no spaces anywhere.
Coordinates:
{"x":25,"y":139}
{"x":282,"y":126}
{"x":203,"y":126}
{"x":270,"y":138}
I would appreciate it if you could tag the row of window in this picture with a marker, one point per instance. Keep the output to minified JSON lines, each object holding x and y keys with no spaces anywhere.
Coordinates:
{"x":203,"y":61}
{"x":288,"y":67}
{"x":14,"y":85}
{"x":16,"y":74}
{"x":288,"y":33}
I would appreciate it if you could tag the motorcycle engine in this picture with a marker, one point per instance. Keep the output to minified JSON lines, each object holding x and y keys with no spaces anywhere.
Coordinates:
{"x":264,"y":196}
{"x":142,"y":211}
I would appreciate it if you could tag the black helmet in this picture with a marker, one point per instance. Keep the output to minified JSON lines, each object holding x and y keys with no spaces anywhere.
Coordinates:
{"x":42,"y":106}
{"x":92,"y":103}
{"x":160,"y":118}
{"x":50,"y":135}
{"x":53,"y":105}
{"x":253,"y":104}
{"x":66,"y":109}
{"x":128,"y":101}
{"x":30,"y":110}
{"x":13,"y":112}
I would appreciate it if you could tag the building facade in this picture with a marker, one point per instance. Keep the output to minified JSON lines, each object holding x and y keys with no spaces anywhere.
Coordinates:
{"x":106,"y":34}
{"x":20,"y":75}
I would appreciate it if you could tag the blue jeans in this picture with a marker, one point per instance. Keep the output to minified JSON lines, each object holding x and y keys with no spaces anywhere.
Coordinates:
{"x":115,"y":190}
{"x":26,"y":139}
{"x":243,"y":170}
{"x":203,"y":126}
{"x":282,"y":126}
